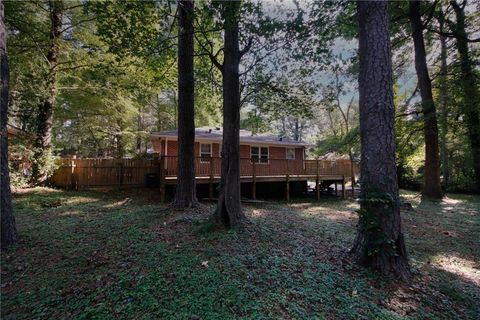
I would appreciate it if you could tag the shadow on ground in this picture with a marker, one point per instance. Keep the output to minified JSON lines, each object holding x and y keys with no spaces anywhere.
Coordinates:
{"x":119,"y":254}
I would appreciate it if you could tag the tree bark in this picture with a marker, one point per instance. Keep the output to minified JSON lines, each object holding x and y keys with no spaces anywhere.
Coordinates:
{"x":43,"y":140}
{"x":379,"y":243}
{"x":471,"y":91}
{"x":432,"y":186}
{"x":119,"y":146}
{"x":185,"y":195}
{"x":140,"y":130}
{"x":296,"y":130}
{"x":119,"y":138}
{"x":228,"y":211}
{"x":8,"y":227}
{"x":443,"y":106}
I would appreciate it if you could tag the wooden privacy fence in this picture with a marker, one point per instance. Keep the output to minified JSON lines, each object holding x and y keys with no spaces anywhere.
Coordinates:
{"x":76,"y":173}
{"x":84,"y":173}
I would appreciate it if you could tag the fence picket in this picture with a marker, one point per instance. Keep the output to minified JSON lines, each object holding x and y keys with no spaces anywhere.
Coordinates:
{"x":82,"y":173}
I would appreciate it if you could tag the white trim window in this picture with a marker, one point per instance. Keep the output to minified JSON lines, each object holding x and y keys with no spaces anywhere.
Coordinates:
{"x":259,"y":154}
{"x":290,"y":154}
{"x":205,"y":152}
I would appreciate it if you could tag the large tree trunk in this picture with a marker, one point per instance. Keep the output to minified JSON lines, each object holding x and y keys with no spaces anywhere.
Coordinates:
{"x":229,"y":211}
{"x":471,"y":93}
{"x":43,"y":140}
{"x":8,"y":228}
{"x":379,"y":243}
{"x":443,"y":121}
{"x":140,"y":130}
{"x":119,"y":139}
{"x":296,"y":130}
{"x":119,"y":146}
{"x":432,"y":186}
{"x":185,"y":195}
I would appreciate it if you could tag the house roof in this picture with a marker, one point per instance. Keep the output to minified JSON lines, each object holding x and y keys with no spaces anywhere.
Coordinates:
{"x":13,"y":130}
{"x":216,"y":134}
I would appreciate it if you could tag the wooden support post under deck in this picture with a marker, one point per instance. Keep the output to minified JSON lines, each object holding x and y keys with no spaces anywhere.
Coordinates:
{"x":288,"y":188}
{"x":336,"y":189}
{"x":210,"y":183}
{"x":353,"y":188}
{"x":288,"y":184}
{"x":317,"y":183}
{"x":254,"y":182}
{"x":162,"y":179}
{"x":352,"y":177}
{"x":343,"y":187}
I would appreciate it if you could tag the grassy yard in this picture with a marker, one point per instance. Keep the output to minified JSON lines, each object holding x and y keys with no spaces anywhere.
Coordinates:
{"x":118,"y":254}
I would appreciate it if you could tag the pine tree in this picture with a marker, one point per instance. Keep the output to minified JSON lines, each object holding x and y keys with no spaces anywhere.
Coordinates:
{"x":379,"y":243}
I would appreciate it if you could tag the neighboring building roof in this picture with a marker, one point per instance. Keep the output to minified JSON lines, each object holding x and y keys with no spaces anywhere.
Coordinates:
{"x":216,"y":134}
{"x":13,"y":131}
{"x":333,"y":156}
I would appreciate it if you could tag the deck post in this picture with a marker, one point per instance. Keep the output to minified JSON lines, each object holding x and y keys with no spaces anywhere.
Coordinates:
{"x":343,"y":187}
{"x":210,"y":184}
{"x":162,"y":179}
{"x":288,"y":187}
{"x":352,"y":178}
{"x":254,"y":182}
{"x":317,"y":183}
{"x":336,"y":188}
{"x":287,"y":184}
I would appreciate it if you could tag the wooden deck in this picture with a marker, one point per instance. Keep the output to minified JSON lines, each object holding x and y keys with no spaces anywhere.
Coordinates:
{"x":88,"y":173}
{"x":216,"y":179}
{"x":272,"y":168}
{"x":275,"y":170}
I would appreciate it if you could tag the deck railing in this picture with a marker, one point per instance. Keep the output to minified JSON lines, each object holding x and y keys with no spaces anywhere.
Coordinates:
{"x":205,"y":167}
{"x":127,"y":172}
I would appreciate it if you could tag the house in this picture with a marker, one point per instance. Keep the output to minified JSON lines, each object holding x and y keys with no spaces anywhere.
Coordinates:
{"x":265,"y":150}
{"x":13,"y":131}
{"x":267,"y":160}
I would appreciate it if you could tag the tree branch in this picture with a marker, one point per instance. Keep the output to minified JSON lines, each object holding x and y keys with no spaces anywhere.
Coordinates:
{"x":77,"y":24}
{"x":247,"y":47}
{"x":213,"y":58}
{"x":430,"y":15}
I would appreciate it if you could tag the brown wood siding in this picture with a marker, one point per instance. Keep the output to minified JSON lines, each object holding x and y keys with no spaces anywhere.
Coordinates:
{"x":76,"y":173}
{"x":244,"y":151}
{"x":275,"y":153}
